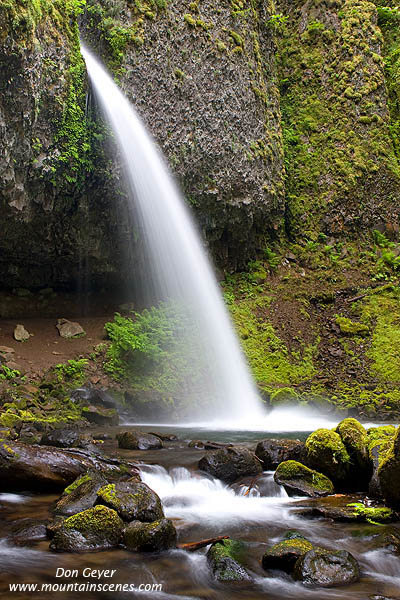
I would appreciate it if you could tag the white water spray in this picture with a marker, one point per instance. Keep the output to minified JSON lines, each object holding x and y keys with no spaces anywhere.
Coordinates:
{"x":180,"y":270}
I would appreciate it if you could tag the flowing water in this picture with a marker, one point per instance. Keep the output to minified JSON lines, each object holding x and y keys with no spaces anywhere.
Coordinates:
{"x":178,"y":268}
{"x":201,"y":507}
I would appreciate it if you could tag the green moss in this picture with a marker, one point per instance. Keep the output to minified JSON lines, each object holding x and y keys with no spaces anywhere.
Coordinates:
{"x":290,"y":470}
{"x":349,"y":327}
{"x":93,"y":520}
{"x":380,"y":434}
{"x":324,"y":141}
{"x":270,"y":359}
{"x":380,"y":310}
{"x":373,"y":515}
{"x":295,"y":546}
{"x":353,"y":435}
{"x":75,"y":484}
{"x":108,"y":494}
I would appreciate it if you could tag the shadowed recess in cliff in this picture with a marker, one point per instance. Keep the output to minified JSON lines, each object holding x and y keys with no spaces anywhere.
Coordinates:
{"x":214,"y":377}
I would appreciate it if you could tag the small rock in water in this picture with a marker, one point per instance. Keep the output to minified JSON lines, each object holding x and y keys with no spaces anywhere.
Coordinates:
{"x":21,"y":334}
{"x":138,"y":440}
{"x":70,"y":329}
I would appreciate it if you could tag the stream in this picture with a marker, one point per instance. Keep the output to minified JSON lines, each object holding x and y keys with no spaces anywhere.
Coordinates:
{"x":201,"y":507}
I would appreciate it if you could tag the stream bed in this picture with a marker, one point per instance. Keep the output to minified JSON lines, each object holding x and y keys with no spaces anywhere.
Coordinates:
{"x":201,"y":507}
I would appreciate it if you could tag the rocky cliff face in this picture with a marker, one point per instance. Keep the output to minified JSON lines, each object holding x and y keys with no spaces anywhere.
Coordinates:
{"x":225,"y":88}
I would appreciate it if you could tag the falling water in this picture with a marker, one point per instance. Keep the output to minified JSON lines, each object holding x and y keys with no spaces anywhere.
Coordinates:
{"x":179,"y":269}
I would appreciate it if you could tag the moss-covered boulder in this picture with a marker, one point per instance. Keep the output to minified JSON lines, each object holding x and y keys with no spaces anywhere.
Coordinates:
{"x":137,"y":440}
{"x":95,"y":529}
{"x":81,"y":494}
{"x":273,"y":452}
{"x":284,"y":555}
{"x":224,"y":559}
{"x":150,"y":537}
{"x":355,"y":440}
{"x":389,"y":473}
{"x":228,"y":464}
{"x":326,"y":453}
{"x":299,"y":480}
{"x":380,"y":440}
{"x":327,"y":568}
{"x":133,"y":500}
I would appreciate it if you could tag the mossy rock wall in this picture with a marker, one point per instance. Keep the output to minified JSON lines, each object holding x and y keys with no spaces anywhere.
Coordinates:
{"x":337,"y":118}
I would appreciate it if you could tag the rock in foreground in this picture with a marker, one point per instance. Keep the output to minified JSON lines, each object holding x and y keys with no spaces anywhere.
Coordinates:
{"x":133,"y":500}
{"x":228,"y":464}
{"x":327,"y":568}
{"x":326,"y":453}
{"x":95,"y":529}
{"x":150,"y":537}
{"x":284,"y":555}
{"x":297,"y":479}
{"x":224,"y":560}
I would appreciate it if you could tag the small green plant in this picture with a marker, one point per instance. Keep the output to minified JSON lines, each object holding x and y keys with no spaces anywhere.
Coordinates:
{"x":6,"y":373}
{"x":381,"y":240}
{"x":73,"y":370}
{"x":277,"y":21}
{"x":272,"y":258}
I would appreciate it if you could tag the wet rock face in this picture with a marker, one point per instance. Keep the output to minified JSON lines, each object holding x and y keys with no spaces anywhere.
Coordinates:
{"x":204,"y":82}
{"x":327,"y":568}
{"x":150,"y":537}
{"x":228,"y":464}
{"x":273,"y":452}
{"x":188,"y":81}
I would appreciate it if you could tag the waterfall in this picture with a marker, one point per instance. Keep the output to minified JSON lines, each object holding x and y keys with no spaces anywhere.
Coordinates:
{"x":179,"y":269}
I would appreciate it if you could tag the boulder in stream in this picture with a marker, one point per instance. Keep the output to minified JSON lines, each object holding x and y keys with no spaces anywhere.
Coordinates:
{"x":81,"y":494}
{"x":228,"y":464}
{"x":150,"y":537}
{"x":327,"y":454}
{"x":327,"y":568}
{"x":41,"y":467}
{"x":284,"y":555}
{"x":133,"y":500}
{"x":273,"y":452}
{"x":95,"y":529}
{"x":27,"y":531}
{"x":297,"y":479}
{"x":224,"y":559}
{"x":380,"y":440}
{"x":138,"y":440}
{"x":355,"y":440}
{"x":389,"y":473}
